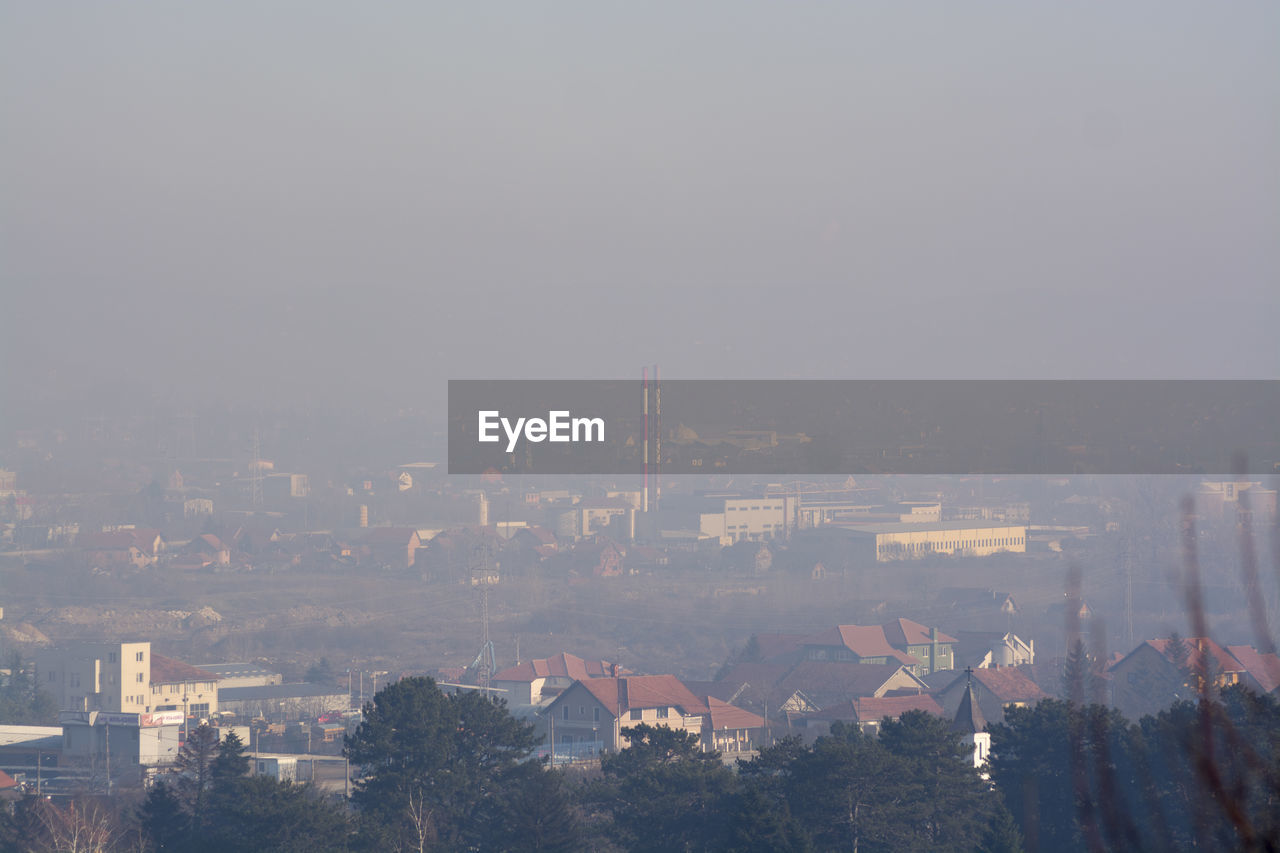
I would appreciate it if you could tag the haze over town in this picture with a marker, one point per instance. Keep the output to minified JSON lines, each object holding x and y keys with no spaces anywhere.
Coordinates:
{"x":245,"y":249}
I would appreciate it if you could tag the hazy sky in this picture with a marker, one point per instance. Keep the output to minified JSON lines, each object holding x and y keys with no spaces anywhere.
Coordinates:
{"x":317,"y":199}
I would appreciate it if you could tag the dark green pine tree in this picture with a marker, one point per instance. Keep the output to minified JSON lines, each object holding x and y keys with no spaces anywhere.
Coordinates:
{"x":531,"y":810}
{"x":427,"y":760}
{"x":230,"y":763}
{"x":665,"y":793}
{"x":164,"y":820}
{"x":194,"y":772}
{"x":953,"y":805}
{"x":256,"y":813}
{"x":851,"y":793}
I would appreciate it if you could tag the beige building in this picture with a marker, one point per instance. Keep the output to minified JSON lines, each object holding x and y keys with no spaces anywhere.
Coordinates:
{"x":755,"y":519}
{"x":908,"y":541}
{"x":97,"y":677}
{"x":177,"y":686}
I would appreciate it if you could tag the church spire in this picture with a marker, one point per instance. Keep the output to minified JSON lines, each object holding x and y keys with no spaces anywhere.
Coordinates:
{"x":969,"y":719}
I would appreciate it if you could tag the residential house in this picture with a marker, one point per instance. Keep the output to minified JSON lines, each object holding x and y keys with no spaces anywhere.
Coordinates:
{"x":536,"y":681}
{"x":394,"y":547}
{"x":1262,"y":671}
{"x":909,"y":643}
{"x":1156,"y":674}
{"x":932,"y":648}
{"x":208,"y":550}
{"x":729,"y":729}
{"x":868,"y":713}
{"x":995,"y":690}
{"x":984,"y":649}
{"x":134,"y":547}
{"x":592,"y":716}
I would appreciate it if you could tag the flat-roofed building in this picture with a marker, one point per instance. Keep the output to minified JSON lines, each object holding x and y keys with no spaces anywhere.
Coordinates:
{"x":907,"y":541}
{"x":97,"y":676}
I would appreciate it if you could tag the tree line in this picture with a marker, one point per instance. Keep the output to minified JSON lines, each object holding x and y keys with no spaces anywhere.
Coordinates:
{"x":455,"y":771}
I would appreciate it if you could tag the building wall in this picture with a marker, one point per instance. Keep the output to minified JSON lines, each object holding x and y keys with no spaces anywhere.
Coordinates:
{"x":969,"y":542}
{"x":196,"y":698}
{"x":97,"y":676}
{"x":588,"y":720}
{"x":755,"y":518}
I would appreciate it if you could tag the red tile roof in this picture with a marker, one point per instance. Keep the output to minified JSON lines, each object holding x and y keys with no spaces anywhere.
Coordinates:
{"x":722,"y":715}
{"x":1264,"y":668}
{"x":904,"y":632}
{"x":827,"y":683}
{"x":1197,"y":648}
{"x":563,"y":665}
{"x":777,"y":645}
{"x":644,"y":691}
{"x":1006,"y":683}
{"x":869,"y":708}
{"x":166,"y":670}
{"x":865,"y":641}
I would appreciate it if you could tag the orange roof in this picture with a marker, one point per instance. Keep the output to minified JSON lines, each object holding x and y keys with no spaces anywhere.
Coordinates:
{"x":904,"y":632}
{"x":826,"y":682}
{"x":726,"y":716}
{"x":7,"y":781}
{"x":865,"y":641}
{"x":563,"y":665}
{"x":1006,"y":683}
{"x":644,"y":691}
{"x":1265,"y":668}
{"x":166,"y":670}
{"x":1197,"y":648}
{"x":776,"y":645}
{"x":869,"y":708}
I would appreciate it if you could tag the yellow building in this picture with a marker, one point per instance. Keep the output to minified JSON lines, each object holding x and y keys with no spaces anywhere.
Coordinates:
{"x":907,"y":541}
{"x":97,"y":676}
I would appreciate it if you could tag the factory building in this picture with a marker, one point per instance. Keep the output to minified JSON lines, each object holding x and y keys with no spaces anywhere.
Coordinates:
{"x":909,"y":541}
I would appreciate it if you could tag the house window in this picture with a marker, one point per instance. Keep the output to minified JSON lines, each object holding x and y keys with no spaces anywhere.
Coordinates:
{"x":662,"y":713}
{"x":140,"y":678}
{"x":637,"y":714}
{"x":138,"y":657}
{"x":75,"y":679}
{"x":595,"y":714}
{"x":566,"y":712}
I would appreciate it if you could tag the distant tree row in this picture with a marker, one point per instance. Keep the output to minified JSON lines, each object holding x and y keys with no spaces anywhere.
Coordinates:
{"x":454,"y":772}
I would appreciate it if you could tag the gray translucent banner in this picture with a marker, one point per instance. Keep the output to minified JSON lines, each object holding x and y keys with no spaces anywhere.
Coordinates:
{"x":785,"y":427}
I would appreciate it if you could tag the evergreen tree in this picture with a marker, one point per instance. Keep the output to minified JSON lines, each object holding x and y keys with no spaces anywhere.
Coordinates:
{"x":530,"y":811}
{"x":194,"y":771}
{"x":231,"y":763}
{"x":953,"y":806}
{"x":164,"y":820}
{"x":664,"y":792}
{"x":427,"y":760}
{"x":256,"y":813}
{"x":22,"y":703}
